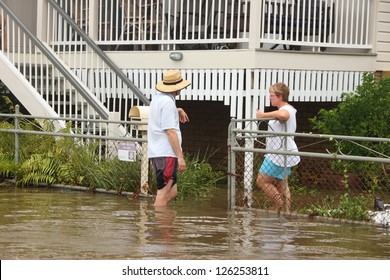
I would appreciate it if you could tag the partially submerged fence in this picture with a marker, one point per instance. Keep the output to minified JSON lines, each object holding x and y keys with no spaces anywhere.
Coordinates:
{"x":330,"y":167}
{"x":124,"y":140}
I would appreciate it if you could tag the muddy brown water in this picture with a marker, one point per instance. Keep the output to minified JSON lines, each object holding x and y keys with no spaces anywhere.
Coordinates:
{"x":47,"y":223}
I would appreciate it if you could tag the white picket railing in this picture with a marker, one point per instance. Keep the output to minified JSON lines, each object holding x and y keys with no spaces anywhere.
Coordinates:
{"x":231,"y":87}
{"x":213,"y":24}
{"x":317,"y":23}
{"x":171,"y":24}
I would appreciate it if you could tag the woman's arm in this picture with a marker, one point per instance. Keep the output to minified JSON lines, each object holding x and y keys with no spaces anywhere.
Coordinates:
{"x":282,"y":115}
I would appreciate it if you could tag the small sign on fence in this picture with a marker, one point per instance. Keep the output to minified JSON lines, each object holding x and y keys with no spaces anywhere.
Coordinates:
{"x":127,"y":151}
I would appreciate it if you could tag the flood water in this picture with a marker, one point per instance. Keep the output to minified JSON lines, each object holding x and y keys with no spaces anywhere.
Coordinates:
{"x":47,"y":223}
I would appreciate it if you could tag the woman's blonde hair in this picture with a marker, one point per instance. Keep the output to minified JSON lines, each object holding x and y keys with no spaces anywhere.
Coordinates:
{"x":280,"y":89}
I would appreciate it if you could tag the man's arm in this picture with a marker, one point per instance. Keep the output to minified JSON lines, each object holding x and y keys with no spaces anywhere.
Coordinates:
{"x":174,"y":141}
{"x":183,"y":117}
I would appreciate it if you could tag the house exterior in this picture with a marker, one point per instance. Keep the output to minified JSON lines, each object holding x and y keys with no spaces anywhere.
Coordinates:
{"x":99,"y":58}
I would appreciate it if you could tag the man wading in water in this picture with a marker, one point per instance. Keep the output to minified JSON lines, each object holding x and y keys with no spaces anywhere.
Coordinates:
{"x":164,"y":136}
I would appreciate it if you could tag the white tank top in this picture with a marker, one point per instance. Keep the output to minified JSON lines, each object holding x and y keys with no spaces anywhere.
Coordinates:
{"x":281,"y":142}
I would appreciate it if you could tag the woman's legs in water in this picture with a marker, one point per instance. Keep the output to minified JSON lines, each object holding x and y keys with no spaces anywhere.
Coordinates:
{"x":276,"y":190}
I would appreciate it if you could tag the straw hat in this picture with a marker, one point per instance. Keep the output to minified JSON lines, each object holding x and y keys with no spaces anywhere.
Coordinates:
{"x":172,"y":81}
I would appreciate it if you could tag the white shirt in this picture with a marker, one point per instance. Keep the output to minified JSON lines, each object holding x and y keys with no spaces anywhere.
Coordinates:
{"x":163,"y":115}
{"x":279,"y":142}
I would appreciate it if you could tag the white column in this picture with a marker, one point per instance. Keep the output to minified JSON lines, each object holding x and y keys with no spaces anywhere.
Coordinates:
{"x":42,"y":20}
{"x":93,"y":19}
{"x":254,"y":24}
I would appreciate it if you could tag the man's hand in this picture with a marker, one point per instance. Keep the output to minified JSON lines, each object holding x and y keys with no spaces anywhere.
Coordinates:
{"x":182,"y":115}
{"x":182,"y":165}
{"x":174,"y":141}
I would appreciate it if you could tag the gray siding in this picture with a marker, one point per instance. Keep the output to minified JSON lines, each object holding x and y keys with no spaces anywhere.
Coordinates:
{"x":383,"y":36}
{"x":26,"y":11}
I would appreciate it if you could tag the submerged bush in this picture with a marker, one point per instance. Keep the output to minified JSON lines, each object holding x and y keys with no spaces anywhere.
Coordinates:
{"x":351,"y":208}
{"x":199,"y":179}
{"x":118,"y":175}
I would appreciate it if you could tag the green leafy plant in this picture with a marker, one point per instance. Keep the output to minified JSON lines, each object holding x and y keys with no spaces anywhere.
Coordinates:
{"x":79,"y":161}
{"x":7,"y":140}
{"x":39,"y":169}
{"x":348,"y":207}
{"x":361,"y":113}
{"x":199,"y":179}
{"x":7,"y":167}
{"x":118,"y":175}
{"x":8,"y":101}
{"x":35,"y":144}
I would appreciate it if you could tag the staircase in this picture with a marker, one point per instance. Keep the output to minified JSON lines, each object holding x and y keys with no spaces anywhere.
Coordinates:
{"x":68,"y":76}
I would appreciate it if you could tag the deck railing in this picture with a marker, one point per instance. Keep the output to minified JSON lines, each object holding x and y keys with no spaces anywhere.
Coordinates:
{"x":317,"y":23}
{"x":219,"y":24}
{"x":170,"y":24}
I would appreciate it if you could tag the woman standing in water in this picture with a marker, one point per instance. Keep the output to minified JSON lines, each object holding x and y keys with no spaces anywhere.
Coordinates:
{"x":273,"y":176}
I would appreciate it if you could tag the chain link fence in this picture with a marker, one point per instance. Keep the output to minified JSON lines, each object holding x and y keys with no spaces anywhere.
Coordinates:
{"x":333,"y":169}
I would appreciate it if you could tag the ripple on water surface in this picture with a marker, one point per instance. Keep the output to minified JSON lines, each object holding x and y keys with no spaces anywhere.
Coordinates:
{"x":61,"y":224}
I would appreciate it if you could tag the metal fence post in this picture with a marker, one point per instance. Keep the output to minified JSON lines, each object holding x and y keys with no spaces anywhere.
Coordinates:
{"x":144,"y":164}
{"x":17,"y":134}
{"x":141,"y":113}
{"x":231,"y":166}
{"x":285,"y":182}
{"x":248,"y":169}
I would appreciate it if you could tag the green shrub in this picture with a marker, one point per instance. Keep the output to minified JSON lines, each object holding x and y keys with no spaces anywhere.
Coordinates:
{"x":199,"y":179}
{"x":351,"y":208}
{"x":79,"y":161}
{"x":39,"y":169}
{"x":118,"y":175}
{"x":7,"y":167}
{"x":7,"y":140}
{"x":362,"y":113}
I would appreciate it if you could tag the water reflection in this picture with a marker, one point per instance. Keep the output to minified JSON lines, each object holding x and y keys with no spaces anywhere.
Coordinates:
{"x":62,"y":224}
{"x":165,"y":221}
{"x":160,"y":233}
